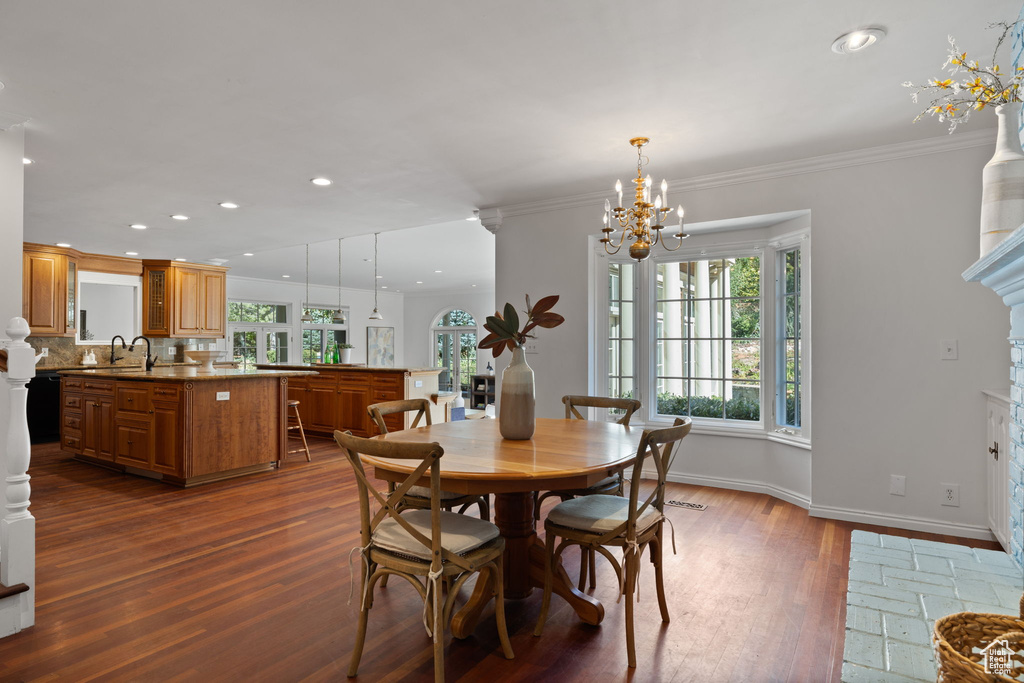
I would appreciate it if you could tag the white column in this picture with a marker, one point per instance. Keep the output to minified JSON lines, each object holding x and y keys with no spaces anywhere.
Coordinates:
{"x":672,"y":326}
{"x":702,"y":349}
{"x":18,"y":527}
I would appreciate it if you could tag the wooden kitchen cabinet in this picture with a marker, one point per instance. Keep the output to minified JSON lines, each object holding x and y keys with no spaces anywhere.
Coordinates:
{"x":175,"y":424}
{"x":49,"y":283}
{"x":353,"y":397}
{"x":183,"y":301}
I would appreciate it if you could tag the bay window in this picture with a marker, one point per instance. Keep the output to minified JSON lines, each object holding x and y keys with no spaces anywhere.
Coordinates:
{"x":716,"y":334}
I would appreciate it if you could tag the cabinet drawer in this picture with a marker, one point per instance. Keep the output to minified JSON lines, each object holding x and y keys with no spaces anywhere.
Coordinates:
{"x":391,"y":380}
{"x":165,"y":392}
{"x":72,"y":382}
{"x":378,"y":395}
{"x":73,"y":401}
{"x":71,"y":442}
{"x":72,"y":421}
{"x":94,"y":386}
{"x":357,"y":378}
{"x":133,"y":399}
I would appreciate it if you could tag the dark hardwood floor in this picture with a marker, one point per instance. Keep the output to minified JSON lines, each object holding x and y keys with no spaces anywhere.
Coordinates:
{"x":247,"y":580}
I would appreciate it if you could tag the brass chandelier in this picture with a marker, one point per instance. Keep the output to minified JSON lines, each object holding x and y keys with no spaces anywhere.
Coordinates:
{"x":644,"y":221}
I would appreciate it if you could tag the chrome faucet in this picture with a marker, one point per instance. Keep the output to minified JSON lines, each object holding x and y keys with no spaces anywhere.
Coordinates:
{"x":113,"y":358}
{"x":150,"y":360}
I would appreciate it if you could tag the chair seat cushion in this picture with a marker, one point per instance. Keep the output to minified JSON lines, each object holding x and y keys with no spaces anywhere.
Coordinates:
{"x":599,"y":513}
{"x":424,"y":492}
{"x":459,"y":533}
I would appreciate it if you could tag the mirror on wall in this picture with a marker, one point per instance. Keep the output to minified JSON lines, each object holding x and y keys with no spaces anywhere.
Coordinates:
{"x":108,"y":305}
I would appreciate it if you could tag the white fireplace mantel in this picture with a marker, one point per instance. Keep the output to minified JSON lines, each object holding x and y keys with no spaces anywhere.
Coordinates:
{"x":1002,"y":271}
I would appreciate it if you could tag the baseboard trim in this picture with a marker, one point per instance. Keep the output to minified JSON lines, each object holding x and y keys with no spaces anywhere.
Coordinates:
{"x":932,"y":526}
{"x":739,"y":485}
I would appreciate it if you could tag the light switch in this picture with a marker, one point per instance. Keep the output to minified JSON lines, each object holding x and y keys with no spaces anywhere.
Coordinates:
{"x":418,"y":383}
{"x":223,"y":395}
{"x":948,"y":349}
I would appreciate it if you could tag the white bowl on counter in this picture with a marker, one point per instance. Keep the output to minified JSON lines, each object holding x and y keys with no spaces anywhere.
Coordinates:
{"x":205,"y":357}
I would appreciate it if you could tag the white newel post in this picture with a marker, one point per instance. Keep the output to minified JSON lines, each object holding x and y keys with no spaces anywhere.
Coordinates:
{"x":18,"y":527}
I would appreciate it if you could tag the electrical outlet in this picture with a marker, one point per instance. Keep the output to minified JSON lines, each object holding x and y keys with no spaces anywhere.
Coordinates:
{"x":170,"y":352}
{"x":223,"y":395}
{"x":897,"y":485}
{"x":951,"y":495}
{"x":44,"y":352}
{"x":530,"y":347}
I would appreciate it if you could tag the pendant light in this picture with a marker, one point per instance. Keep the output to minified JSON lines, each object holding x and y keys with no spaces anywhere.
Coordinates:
{"x":376,"y":314}
{"x":339,"y":315}
{"x":306,"y":317}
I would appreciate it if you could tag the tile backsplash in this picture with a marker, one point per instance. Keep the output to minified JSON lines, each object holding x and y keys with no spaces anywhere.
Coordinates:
{"x":64,"y":352}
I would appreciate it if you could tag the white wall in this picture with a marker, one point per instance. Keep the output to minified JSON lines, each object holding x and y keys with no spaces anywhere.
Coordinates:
{"x":12,"y":232}
{"x":358,"y":302}
{"x":889,"y":241}
{"x":422,"y":309}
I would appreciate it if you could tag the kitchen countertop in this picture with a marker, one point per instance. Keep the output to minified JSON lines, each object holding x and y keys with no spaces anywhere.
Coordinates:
{"x":182,"y":373}
{"x":108,"y":366}
{"x":332,"y":366}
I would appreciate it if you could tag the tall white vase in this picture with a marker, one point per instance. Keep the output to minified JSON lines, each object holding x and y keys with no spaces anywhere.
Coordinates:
{"x":1002,"y":181}
{"x":518,"y":402}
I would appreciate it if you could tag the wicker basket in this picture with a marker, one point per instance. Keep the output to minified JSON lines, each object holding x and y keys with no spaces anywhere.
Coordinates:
{"x":959,"y":639}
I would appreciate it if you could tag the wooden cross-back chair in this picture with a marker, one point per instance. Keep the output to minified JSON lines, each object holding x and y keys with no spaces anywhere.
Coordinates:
{"x":612,"y":484}
{"x":418,"y":497}
{"x":431,"y":544}
{"x":598,"y":521}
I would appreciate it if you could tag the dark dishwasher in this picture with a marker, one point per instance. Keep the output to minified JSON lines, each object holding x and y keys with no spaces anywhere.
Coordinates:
{"x":44,"y":407}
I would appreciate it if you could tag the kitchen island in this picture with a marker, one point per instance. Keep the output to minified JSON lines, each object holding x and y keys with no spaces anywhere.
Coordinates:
{"x":177,"y":424}
{"x":337,"y":397}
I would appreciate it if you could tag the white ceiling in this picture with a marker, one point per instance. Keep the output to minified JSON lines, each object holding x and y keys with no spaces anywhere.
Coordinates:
{"x":421,"y":112}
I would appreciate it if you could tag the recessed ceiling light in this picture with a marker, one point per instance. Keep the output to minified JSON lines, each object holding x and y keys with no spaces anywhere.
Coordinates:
{"x":248,"y":253}
{"x":286,"y":276}
{"x":380,"y":277}
{"x":855,"y":41}
{"x":322,"y":182}
{"x":472,"y":285}
{"x":437,"y":271}
{"x":26,"y":161}
{"x":229,"y":205}
{"x":181,"y":260}
{"x":179,"y":217}
{"x":137,"y":226}
{"x":383,"y":286}
{"x":131,"y":253}
{"x":419,"y":282}
{"x":62,"y":244}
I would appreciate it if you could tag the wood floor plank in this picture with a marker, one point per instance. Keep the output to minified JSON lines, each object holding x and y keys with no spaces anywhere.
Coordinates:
{"x":248,"y":579}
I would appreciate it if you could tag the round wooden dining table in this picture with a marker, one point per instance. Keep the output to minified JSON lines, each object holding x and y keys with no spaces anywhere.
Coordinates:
{"x":563,"y":454}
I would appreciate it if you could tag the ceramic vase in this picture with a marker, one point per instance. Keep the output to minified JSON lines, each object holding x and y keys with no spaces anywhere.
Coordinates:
{"x":346,"y":356}
{"x":1002,"y":196}
{"x":518,"y":402}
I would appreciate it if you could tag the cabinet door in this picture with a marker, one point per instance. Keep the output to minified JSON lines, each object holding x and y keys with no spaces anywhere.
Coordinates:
{"x":213,"y":303}
{"x":133,"y":444}
{"x":998,"y":471}
{"x":167,"y":444}
{"x":187,"y":314}
{"x":156,"y":303}
{"x":352,"y":402}
{"x":98,"y":427}
{"x":44,"y":292}
{"x":319,"y":412}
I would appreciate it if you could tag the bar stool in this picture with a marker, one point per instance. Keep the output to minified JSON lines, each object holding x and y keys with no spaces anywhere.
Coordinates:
{"x":293,"y":404}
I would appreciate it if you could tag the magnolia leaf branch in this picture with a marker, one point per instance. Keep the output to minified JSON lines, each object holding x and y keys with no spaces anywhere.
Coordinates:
{"x":504,"y":329}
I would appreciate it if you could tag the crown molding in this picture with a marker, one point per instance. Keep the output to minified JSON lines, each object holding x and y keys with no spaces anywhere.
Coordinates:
{"x":828,"y":162}
{"x":9,"y":119}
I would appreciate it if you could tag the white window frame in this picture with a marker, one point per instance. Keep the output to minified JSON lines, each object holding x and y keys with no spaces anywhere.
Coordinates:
{"x":261,"y":329}
{"x":645,"y":324}
{"x":325,"y":327}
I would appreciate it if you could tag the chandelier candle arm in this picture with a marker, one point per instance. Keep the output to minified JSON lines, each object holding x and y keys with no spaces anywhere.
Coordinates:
{"x":644,"y":221}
